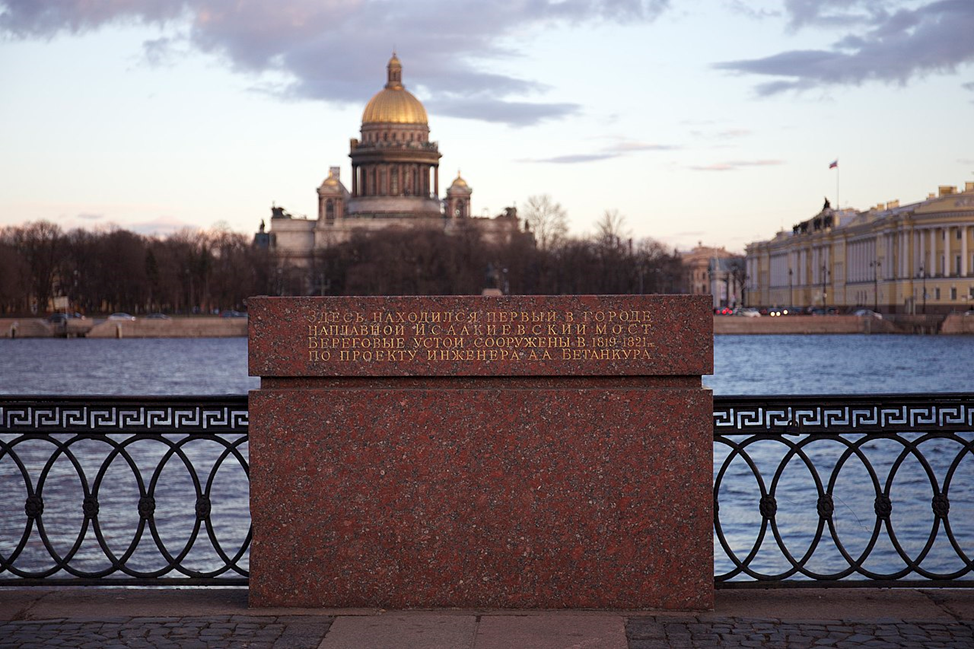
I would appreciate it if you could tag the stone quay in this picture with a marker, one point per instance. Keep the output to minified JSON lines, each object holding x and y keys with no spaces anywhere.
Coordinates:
{"x":527,"y":452}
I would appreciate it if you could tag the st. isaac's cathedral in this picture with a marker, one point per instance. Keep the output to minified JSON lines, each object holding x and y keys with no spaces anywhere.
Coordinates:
{"x":395,"y":182}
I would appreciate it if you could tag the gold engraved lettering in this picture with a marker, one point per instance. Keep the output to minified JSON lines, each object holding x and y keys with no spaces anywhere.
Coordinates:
{"x":445,"y":335}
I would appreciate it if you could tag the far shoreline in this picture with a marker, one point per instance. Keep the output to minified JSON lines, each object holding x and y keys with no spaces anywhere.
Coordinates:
{"x":219,"y":327}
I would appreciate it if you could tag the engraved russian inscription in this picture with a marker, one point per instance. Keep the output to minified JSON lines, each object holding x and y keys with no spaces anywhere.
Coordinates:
{"x":394,"y":336}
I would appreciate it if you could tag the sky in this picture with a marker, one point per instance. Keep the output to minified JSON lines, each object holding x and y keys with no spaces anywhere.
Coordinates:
{"x":710,"y":121}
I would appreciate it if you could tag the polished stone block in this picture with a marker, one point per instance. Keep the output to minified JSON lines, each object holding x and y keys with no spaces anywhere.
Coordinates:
{"x":556,"y":484}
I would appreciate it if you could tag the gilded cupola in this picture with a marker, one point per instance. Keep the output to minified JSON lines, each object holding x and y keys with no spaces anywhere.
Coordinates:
{"x":394,"y":104}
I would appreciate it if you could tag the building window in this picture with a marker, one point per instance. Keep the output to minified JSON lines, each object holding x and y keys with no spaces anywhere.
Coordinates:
{"x":394,"y":181}
{"x":953,"y":292}
{"x":330,"y":209}
{"x":957,"y":265}
{"x":958,"y":231}
{"x":936,"y":293}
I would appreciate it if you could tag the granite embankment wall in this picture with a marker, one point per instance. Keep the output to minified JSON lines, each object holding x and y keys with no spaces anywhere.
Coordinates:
{"x":958,"y":323}
{"x":94,"y":328}
{"x":845,"y":324}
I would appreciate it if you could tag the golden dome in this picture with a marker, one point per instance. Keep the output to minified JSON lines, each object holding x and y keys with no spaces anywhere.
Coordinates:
{"x":394,"y":104}
{"x":459,"y":182}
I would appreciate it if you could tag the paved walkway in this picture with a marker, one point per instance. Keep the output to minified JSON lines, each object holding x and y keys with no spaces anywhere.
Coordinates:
{"x":116,"y":617}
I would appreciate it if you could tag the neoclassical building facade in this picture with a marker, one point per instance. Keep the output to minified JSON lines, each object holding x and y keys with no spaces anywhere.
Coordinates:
{"x":916,"y":258}
{"x":395,"y":181}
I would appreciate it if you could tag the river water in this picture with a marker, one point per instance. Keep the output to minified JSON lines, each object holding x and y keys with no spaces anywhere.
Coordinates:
{"x":744,"y":365}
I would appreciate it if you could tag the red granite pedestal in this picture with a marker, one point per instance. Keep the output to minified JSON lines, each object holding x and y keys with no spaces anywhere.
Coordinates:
{"x":572,"y":471}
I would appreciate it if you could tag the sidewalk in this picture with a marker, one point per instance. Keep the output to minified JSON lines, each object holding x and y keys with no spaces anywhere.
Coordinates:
{"x":218,"y":617}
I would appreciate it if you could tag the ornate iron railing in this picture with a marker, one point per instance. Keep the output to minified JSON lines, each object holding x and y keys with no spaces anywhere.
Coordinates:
{"x":844,"y":491}
{"x":820,"y":491}
{"x":127,"y":491}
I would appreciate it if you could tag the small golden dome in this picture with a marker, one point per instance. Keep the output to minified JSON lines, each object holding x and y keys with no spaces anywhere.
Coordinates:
{"x":394,"y":104}
{"x":459,"y":182}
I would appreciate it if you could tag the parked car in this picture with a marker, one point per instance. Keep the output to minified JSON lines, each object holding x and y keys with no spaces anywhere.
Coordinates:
{"x":157,"y":316}
{"x":62,"y":318}
{"x":230,"y":313}
{"x":865,"y":313}
{"x":748,"y":312}
{"x":122,"y":316}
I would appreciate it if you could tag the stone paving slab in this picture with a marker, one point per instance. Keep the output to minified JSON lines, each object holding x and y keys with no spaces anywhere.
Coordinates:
{"x":552,"y":631}
{"x":402,"y":631}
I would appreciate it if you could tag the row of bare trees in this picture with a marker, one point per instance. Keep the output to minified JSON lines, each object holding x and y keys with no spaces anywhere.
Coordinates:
{"x":118,"y":270}
{"x":207,"y":271}
{"x":545,"y":260}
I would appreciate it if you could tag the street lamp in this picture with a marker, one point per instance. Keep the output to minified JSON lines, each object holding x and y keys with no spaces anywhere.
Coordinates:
{"x":824,"y":293}
{"x":791,"y":290}
{"x":875,"y":266}
{"x":923,"y":274}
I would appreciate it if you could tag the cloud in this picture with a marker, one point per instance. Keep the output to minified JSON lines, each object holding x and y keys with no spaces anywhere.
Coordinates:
{"x":835,"y":13}
{"x":576,"y":158}
{"x":333,"y":50}
{"x":515,"y":113}
{"x":894,"y":46}
{"x":735,"y":165}
{"x":89,"y":216}
{"x":725,"y":134}
{"x":163,"y":225}
{"x":629,"y":146}
{"x":619,"y":148}
{"x":746,"y":9}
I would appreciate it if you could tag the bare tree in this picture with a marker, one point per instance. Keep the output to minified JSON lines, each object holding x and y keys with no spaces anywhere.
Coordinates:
{"x":611,"y":230}
{"x":547,"y":220}
{"x":40,"y":246}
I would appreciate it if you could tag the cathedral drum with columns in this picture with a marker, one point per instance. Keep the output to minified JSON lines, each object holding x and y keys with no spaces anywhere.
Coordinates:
{"x":394,"y":182}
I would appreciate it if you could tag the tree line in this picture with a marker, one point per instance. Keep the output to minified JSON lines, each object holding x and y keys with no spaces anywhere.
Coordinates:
{"x":192,"y":271}
{"x":209,"y":271}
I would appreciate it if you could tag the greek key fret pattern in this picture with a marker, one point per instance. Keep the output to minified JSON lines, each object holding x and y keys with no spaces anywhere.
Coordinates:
{"x":884,"y":414}
{"x":124,"y":491}
{"x":217,"y":415}
{"x":854,"y":490}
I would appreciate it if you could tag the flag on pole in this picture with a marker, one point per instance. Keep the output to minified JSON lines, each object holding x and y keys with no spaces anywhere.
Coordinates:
{"x":833,"y":164}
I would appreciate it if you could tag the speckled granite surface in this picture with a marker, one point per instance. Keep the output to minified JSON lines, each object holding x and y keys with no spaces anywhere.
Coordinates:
{"x":538,"y":484}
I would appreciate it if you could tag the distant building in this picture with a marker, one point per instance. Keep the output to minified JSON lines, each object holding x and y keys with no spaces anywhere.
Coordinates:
{"x":895,"y":258}
{"x":394,"y":182}
{"x":715,"y":272}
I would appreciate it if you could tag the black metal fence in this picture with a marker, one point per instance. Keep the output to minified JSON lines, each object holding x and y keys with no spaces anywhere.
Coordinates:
{"x":127,"y":491}
{"x":808,"y":491}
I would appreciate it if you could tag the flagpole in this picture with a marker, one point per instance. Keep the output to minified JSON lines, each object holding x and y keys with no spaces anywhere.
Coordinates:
{"x":838,"y":204}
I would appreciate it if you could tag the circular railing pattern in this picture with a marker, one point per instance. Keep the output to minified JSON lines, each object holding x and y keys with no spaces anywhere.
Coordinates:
{"x":125,"y":491}
{"x":826,"y":480}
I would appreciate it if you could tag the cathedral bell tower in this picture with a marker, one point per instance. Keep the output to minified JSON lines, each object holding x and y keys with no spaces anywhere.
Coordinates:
{"x":458,"y":199}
